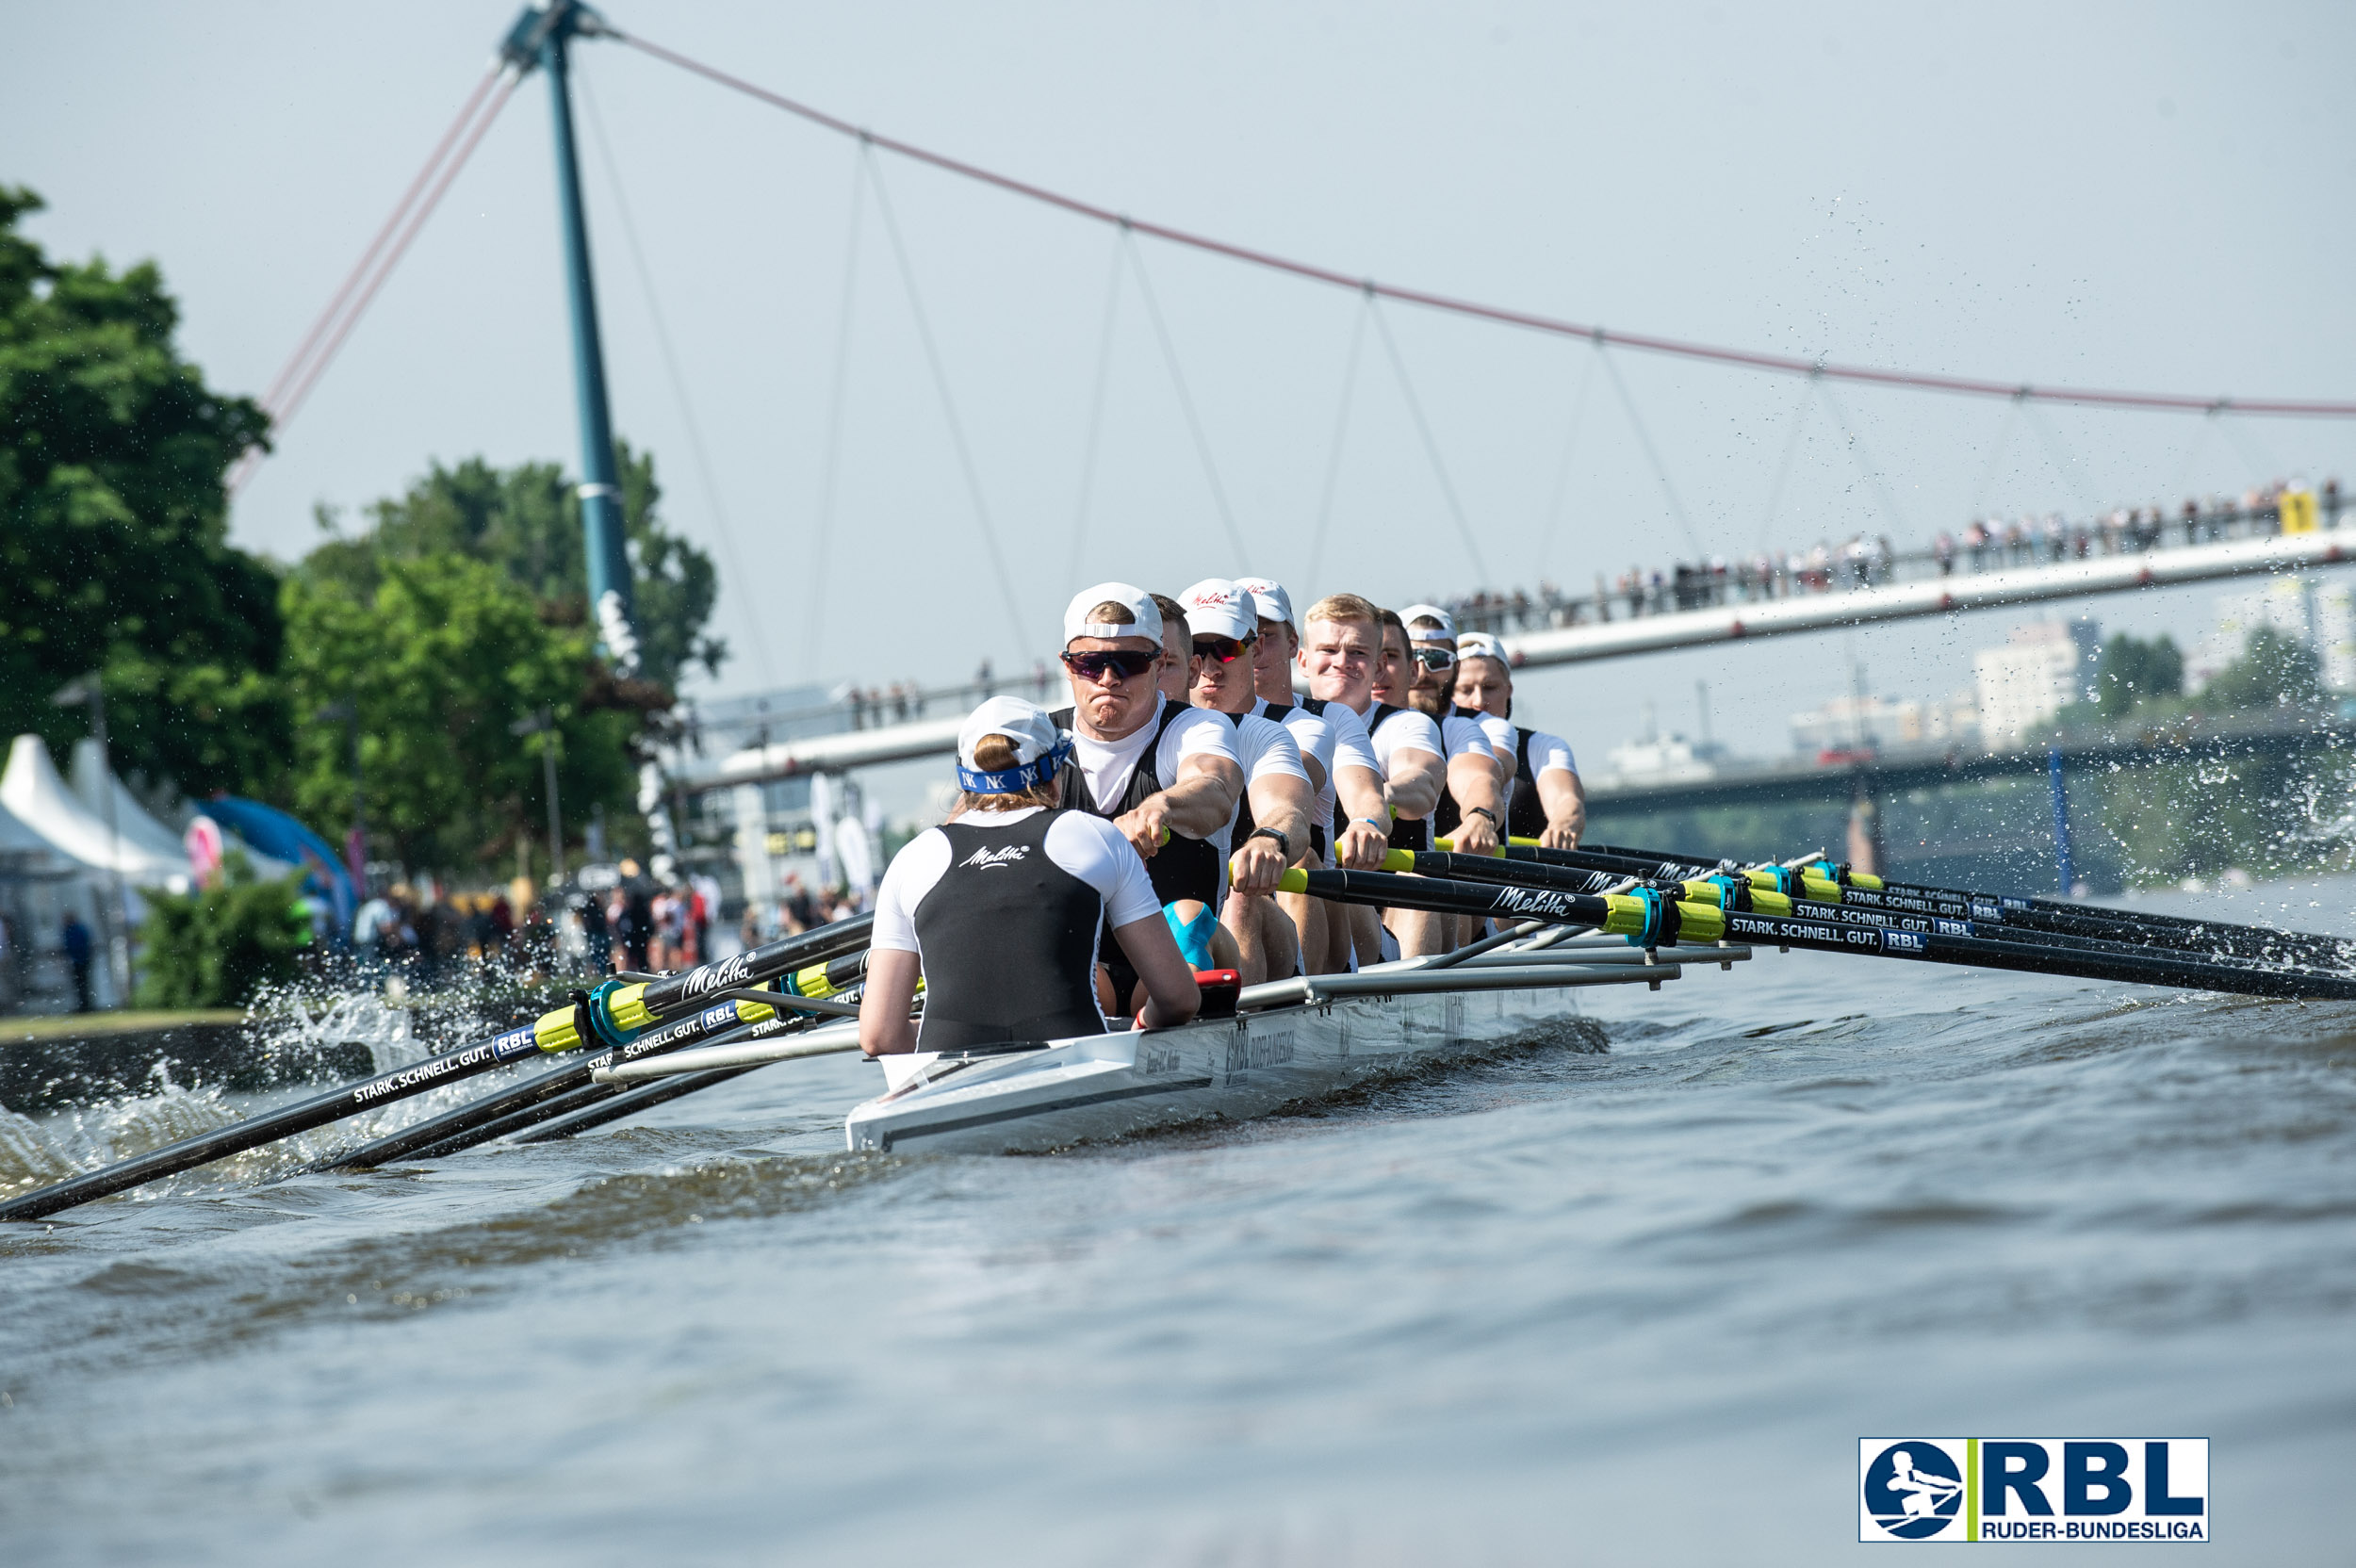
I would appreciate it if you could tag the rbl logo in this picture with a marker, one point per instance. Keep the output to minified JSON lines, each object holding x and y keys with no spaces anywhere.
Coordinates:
{"x":2033,"y":1489}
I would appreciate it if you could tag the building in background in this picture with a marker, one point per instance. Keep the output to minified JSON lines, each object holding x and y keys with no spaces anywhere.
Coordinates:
{"x":1874,"y":723}
{"x":2320,"y":613}
{"x":2040,"y":669}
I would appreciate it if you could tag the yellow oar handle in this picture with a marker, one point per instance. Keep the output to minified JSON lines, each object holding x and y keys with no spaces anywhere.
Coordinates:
{"x":1448,"y":845}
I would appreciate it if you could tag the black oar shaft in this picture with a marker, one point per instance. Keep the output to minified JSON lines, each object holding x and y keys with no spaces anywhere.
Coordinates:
{"x":551,"y":1033}
{"x":621,"y":1103}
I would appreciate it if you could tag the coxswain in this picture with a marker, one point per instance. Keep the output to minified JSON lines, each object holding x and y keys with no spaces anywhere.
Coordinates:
{"x":1547,"y":800}
{"x":1166,"y":774}
{"x":1272,"y":818}
{"x":1000,"y":910}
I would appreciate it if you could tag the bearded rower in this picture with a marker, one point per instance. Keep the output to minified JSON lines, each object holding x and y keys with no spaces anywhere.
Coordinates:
{"x":1000,"y":910}
{"x":1546,"y":801}
{"x":1152,"y":766}
{"x":1469,"y":777}
{"x":1272,"y":819}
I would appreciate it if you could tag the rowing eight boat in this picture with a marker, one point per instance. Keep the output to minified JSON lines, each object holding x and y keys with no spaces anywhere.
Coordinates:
{"x":1290,"y":1042}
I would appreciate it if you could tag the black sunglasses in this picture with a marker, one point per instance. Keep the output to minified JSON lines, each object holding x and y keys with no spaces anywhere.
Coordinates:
{"x":1225,"y":649}
{"x":1122,"y":663}
{"x":1433,"y":658}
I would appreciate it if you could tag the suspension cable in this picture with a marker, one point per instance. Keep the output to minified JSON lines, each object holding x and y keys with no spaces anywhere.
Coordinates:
{"x":321,"y":344}
{"x":1649,"y":343}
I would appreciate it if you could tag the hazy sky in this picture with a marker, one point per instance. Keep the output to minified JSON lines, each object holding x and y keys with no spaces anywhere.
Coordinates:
{"x":2139,"y":196}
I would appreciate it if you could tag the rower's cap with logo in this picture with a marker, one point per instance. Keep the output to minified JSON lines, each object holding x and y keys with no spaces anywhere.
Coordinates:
{"x":1415,"y":612}
{"x":1480,"y":645}
{"x":1269,"y":599}
{"x":1145,"y":617}
{"x":1218,"y":608}
{"x":1039,"y":747}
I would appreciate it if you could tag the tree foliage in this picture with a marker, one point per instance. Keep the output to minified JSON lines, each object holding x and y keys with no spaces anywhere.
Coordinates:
{"x":526,"y":521}
{"x":2275,"y":670}
{"x":442,"y":654}
{"x":2133,"y":669}
{"x":113,"y":526}
{"x":214,"y":947}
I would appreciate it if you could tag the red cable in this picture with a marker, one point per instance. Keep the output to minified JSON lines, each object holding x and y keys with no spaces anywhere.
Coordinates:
{"x":294,"y":361}
{"x":285,"y":412}
{"x":1783,"y":363}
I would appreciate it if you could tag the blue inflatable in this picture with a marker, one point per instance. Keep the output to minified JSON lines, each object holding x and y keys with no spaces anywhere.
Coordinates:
{"x":283,"y":837}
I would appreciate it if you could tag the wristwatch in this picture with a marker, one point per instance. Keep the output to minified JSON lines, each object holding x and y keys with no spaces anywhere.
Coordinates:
{"x":1282,"y":843}
{"x":1485,"y":811}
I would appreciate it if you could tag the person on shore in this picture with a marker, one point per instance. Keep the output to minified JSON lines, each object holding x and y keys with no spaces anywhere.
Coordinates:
{"x":1001,"y":909}
{"x":1271,"y":819}
{"x":76,"y":937}
{"x":1166,"y":775}
{"x":1545,"y":800}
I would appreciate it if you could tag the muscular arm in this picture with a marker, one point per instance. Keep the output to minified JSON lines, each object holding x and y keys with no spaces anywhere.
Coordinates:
{"x":884,"y":1028}
{"x":1170,"y":994}
{"x":1358,"y":793}
{"x":1198,"y":805}
{"x":1472,"y":778}
{"x":1416,"y":778}
{"x":1281,"y":802}
{"x":1564,"y":799}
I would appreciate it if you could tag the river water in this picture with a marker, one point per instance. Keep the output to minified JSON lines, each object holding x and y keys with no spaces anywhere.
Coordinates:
{"x":1629,"y":1307}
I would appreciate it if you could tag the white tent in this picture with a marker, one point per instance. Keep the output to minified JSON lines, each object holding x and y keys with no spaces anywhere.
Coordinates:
{"x":93,"y":783}
{"x":31,"y":790}
{"x":16,"y":839}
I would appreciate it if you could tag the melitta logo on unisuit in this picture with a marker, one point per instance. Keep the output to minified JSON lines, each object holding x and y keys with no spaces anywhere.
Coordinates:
{"x":2033,"y":1488}
{"x":987,"y":859}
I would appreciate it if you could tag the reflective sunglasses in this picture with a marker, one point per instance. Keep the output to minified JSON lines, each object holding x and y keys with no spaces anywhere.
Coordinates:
{"x":1225,"y":649}
{"x":1433,"y":658}
{"x":1120,"y":664}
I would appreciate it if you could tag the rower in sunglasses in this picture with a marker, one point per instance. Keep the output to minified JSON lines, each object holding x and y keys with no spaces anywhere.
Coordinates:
{"x":1546,"y":801}
{"x":1146,"y":764}
{"x":1470,"y":804}
{"x":1271,"y":832}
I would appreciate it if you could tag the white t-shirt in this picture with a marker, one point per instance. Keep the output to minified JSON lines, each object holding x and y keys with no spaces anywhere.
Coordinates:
{"x":1466,"y":736}
{"x":1345,"y":746}
{"x":1546,"y":752}
{"x":1107,"y":765}
{"x":1089,"y":847}
{"x":1267,"y":750}
{"x":1406,"y":730}
{"x":1311,"y":734}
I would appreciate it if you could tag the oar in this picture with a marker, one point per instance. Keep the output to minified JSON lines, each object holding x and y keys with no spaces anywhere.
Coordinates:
{"x":1735,"y":892}
{"x":621,"y":1103}
{"x":554,"y":1093}
{"x":1653,"y":919}
{"x":1824,"y":881}
{"x":613,"y":1013}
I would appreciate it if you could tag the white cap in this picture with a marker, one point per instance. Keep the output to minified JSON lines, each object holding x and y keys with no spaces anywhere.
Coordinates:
{"x":1218,"y":608}
{"x":1415,"y":612}
{"x":1039,"y":747}
{"x":1480,"y":645}
{"x":1146,"y":617}
{"x":1269,"y":599}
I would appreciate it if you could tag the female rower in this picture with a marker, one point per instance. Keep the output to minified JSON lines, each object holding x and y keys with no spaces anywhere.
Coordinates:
{"x":999,"y":908}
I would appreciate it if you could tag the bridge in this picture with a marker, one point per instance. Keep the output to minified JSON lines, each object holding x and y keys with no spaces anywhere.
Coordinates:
{"x":1734,"y":620}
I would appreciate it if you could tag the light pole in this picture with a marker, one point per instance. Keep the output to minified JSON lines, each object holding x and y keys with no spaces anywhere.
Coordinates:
{"x":540,"y":721}
{"x":87,"y":691}
{"x":356,"y":845}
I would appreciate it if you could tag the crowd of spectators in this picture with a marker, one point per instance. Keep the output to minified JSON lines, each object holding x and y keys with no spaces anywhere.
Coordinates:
{"x":1985,"y":544}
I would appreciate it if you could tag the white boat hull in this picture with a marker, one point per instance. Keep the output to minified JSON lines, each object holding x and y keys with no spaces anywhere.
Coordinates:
{"x":1113,"y":1085}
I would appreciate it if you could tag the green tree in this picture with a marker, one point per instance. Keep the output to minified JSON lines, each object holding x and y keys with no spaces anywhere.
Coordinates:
{"x":2133,"y":671}
{"x":442,"y":654}
{"x":114,"y":551}
{"x":212,"y":948}
{"x":526,"y":521}
{"x":2276,"y":670}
